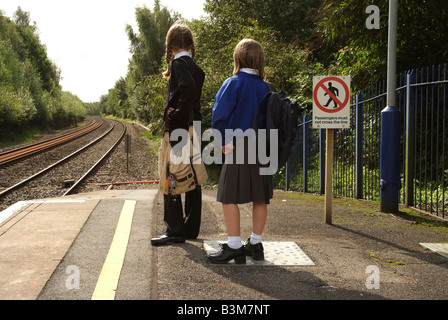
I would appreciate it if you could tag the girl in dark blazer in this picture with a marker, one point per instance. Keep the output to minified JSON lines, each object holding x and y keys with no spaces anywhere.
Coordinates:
{"x":182,"y":108}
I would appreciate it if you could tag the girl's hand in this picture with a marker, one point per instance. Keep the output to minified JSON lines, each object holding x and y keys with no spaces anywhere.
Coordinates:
{"x":228,"y":148}
{"x":168,"y":113}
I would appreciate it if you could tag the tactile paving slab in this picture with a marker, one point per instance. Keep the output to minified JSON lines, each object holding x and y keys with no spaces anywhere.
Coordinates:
{"x":440,"y":248}
{"x":276,"y":253}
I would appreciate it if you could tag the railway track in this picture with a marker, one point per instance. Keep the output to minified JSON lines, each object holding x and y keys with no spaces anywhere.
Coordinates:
{"x":92,"y":168}
{"x":74,"y":167}
{"x":19,"y":153}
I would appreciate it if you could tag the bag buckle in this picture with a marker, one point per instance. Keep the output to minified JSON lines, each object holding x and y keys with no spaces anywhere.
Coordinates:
{"x":172,"y":183}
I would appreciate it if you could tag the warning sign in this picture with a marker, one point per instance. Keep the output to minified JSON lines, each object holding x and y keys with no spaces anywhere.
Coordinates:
{"x":331,"y":102}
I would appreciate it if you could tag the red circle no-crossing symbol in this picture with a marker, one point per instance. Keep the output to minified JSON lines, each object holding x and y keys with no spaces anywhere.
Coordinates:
{"x":339,"y":105}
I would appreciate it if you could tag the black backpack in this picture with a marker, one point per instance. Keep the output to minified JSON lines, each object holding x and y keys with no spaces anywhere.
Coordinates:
{"x":279,"y":113}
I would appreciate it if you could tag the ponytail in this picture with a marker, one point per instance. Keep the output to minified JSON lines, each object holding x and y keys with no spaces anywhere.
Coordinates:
{"x":168,"y":59}
{"x":193,"y":51}
{"x":179,"y":36}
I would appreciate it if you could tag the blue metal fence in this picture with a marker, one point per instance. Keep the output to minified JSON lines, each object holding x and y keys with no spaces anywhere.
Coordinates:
{"x":421,"y":100}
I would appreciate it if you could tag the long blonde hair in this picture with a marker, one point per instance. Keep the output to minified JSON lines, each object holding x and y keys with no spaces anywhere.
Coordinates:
{"x":179,"y":36}
{"x":248,"y":53}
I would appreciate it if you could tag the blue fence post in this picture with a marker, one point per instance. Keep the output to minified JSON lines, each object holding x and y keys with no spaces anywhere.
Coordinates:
{"x":390,"y":159}
{"x":305,"y":154}
{"x":287,"y":175}
{"x":359,"y":147}
{"x":410,"y":142}
{"x":322,"y":160}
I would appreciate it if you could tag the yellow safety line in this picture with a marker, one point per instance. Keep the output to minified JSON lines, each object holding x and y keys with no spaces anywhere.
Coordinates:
{"x":108,"y":281}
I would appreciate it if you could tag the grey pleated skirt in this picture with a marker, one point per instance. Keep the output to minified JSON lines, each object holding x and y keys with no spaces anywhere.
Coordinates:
{"x":242,"y":183}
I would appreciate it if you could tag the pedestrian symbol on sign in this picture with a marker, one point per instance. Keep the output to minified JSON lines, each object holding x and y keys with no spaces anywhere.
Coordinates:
{"x":328,"y":90}
{"x":335,"y":92}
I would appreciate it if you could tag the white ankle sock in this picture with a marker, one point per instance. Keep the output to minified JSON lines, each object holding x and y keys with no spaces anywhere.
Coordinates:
{"x":255,"y":238}
{"x":234,"y":242}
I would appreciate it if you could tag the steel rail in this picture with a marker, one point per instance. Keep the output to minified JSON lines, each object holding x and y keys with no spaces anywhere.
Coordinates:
{"x":17,"y":185}
{"x":19,"y":153}
{"x":53,"y":138}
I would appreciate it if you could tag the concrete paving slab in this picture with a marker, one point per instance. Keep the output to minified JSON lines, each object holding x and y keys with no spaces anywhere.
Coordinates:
{"x":440,"y":248}
{"x":24,"y":279}
{"x":89,"y":250}
{"x":34,"y":237}
{"x":343,"y":254}
{"x":277,"y":253}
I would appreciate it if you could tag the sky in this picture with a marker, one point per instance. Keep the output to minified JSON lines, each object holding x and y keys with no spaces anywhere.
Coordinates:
{"x":86,"y":39}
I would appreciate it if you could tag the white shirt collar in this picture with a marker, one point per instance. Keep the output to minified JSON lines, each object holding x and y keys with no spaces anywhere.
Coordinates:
{"x":250,"y":71}
{"x":181,"y":54}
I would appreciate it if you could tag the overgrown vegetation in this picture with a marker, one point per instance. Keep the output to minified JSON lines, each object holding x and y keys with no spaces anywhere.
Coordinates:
{"x":30,"y":94}
{"x":301,"y":39}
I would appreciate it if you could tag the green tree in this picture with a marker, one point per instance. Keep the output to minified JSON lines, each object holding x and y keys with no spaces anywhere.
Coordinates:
{"x":73,"y":106}
{"x":291,"y":20}
{"x":148,"y":46}
{"x":139,"y":94}
{"x":30,"y":93}
{"x":341,"y":38}
{"x":103,"y":104}
{"x":37,"y":53}
{"x":93,"y":108}
{"x":290,"y":65}
{"x":118,"y":100}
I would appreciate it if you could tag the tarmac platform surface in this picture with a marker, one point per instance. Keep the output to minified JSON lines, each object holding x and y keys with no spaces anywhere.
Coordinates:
{"x":97,"y":246}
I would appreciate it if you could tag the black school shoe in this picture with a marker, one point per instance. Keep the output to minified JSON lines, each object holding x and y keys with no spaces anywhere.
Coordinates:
{"x":254,"y":250}
{"x":226,"y":254}
{"x":165,"y":240}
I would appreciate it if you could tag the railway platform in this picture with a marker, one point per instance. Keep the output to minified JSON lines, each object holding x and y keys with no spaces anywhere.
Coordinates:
{"x":97,"y":246}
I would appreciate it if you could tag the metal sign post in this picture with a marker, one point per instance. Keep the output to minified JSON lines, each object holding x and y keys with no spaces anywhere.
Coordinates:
{"x":331,"y":110}
{"x":328,"y":211}
{"x":390,"y":126}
